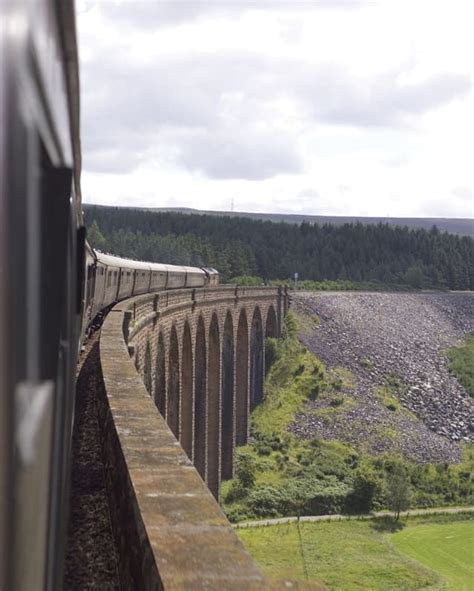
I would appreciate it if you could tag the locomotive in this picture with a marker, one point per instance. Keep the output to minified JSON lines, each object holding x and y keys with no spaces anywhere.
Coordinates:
{"x":52,"y":284}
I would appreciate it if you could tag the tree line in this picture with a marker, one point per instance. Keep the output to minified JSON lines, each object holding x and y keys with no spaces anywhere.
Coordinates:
{"x":243,"y":247}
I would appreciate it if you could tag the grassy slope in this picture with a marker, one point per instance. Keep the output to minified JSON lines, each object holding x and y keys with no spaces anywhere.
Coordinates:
{"x":296,"y":376}
{"x":448,"y":549}
{"x":462,"y":364}
{"x":350,"y":555}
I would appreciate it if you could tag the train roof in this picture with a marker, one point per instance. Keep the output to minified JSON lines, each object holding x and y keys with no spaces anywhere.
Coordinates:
{"x":113,"y":261}
{"x":159,"y":267}
{"x":193,"y":270}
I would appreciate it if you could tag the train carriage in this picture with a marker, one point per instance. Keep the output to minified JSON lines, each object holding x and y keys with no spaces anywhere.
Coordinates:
{"x":142,"y":277}
{"x":159,"y":276}
{"x":176,"y":277}
{"x":195,"y":277}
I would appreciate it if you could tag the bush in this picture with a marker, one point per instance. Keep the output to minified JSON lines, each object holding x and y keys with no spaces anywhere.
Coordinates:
{"x":267,"y":501}
{"x":236,"y":513}
{"x":237,"y":491}
{"x":247,"y":280}
{"x":365,"y":486}
{"x":272,"y":352}
{"x":245,"y":469}
{"x":312,"y":496}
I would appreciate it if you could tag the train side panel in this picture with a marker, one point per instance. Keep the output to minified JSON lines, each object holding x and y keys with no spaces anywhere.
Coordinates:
{"x":195,"y":277}
{"x":126,"y":283}
{"x":111,"y":285}
{"x":89,"y":288}
{"x":142,"y":279}
{"x":159,"y":277}
{"x":176,"y":277}
{"x":99,"y":290}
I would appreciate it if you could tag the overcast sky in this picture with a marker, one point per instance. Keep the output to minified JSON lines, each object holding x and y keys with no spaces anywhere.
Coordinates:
{"x":337,"y":107}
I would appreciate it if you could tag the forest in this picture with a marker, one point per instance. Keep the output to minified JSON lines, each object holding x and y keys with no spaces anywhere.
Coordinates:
{"x":359,"y":253}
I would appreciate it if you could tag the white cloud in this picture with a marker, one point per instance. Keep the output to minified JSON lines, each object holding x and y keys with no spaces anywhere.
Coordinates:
{"x":191,"y":103}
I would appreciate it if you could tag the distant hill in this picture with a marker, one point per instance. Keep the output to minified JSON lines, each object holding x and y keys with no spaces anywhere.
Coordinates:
{"x":241,"y":246}
{"x":461,"y":226}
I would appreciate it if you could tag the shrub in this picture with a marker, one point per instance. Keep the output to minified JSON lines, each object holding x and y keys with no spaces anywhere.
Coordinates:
{"x":247,"y":280}
{"x":365,"y":486}
{"x":236,"y":513}
{"x":237,"y":491}
{"x":245,"y":469}
{"x":267,"y":501}
{"x":272,"y":352}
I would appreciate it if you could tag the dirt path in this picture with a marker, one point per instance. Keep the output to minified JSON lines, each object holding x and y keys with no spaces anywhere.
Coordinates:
{"x":338,"y":517}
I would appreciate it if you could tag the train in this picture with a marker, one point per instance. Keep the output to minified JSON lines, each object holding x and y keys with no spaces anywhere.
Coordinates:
{"x":52,"y":285}
{"x":109,"y":279}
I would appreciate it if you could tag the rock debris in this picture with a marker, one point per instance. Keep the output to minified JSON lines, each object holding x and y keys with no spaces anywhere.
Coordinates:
{"x":392,"y":343}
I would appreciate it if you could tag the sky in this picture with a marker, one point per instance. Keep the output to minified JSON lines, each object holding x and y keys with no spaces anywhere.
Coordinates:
{"x":324,"y":107}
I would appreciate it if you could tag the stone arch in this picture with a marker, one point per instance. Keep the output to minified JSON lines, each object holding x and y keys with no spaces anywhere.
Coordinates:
{"x":271,"y":325}
{"x":228,"y":403}
{"x":242,"y":380}
{"x":271,"y":332}
{"x":187,"y":392}
{"x":256,"y":359}
{"x":160,"y":376}
{"x":172,"y":411}
{"x":147,"y":369}
{"x":213,"y":407}
{"x":200,"y":402}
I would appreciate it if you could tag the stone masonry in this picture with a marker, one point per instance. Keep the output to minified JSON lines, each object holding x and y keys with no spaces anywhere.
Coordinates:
{"x":201,"y":356}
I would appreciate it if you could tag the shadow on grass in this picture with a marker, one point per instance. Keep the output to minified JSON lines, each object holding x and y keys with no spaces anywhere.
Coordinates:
{"x":387,"y":524}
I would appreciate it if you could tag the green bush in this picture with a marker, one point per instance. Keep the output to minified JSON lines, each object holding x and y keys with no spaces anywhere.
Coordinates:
{"x":247,"y":280}
{"x":267,"y":501}
{"x":236,"y":513}
{"x":272,"y":352}
{"x":236,"y":492}
{"x":366,"y":484}
{"x":245,"y":469}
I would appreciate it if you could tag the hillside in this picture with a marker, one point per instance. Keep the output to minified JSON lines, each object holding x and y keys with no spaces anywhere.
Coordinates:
{"x":275,"y":251}
{"x":461,"y":226}
{"x":401,"y":396}
{"x":368,"y":394}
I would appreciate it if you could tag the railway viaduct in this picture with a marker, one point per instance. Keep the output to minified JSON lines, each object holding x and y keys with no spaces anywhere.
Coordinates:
{"x":201,"y":356}
{"x":181,"y":371}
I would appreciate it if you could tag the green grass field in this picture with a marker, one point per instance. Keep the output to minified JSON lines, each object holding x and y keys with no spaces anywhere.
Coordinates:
{"x":446,"y":548}
{"x":355,"y":555}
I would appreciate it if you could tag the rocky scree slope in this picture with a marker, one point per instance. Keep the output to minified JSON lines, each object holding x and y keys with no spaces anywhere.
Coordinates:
{"x":401,"y":396}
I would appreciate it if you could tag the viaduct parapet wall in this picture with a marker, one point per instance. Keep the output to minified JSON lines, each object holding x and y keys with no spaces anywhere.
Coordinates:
{"x":171,"y":533}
